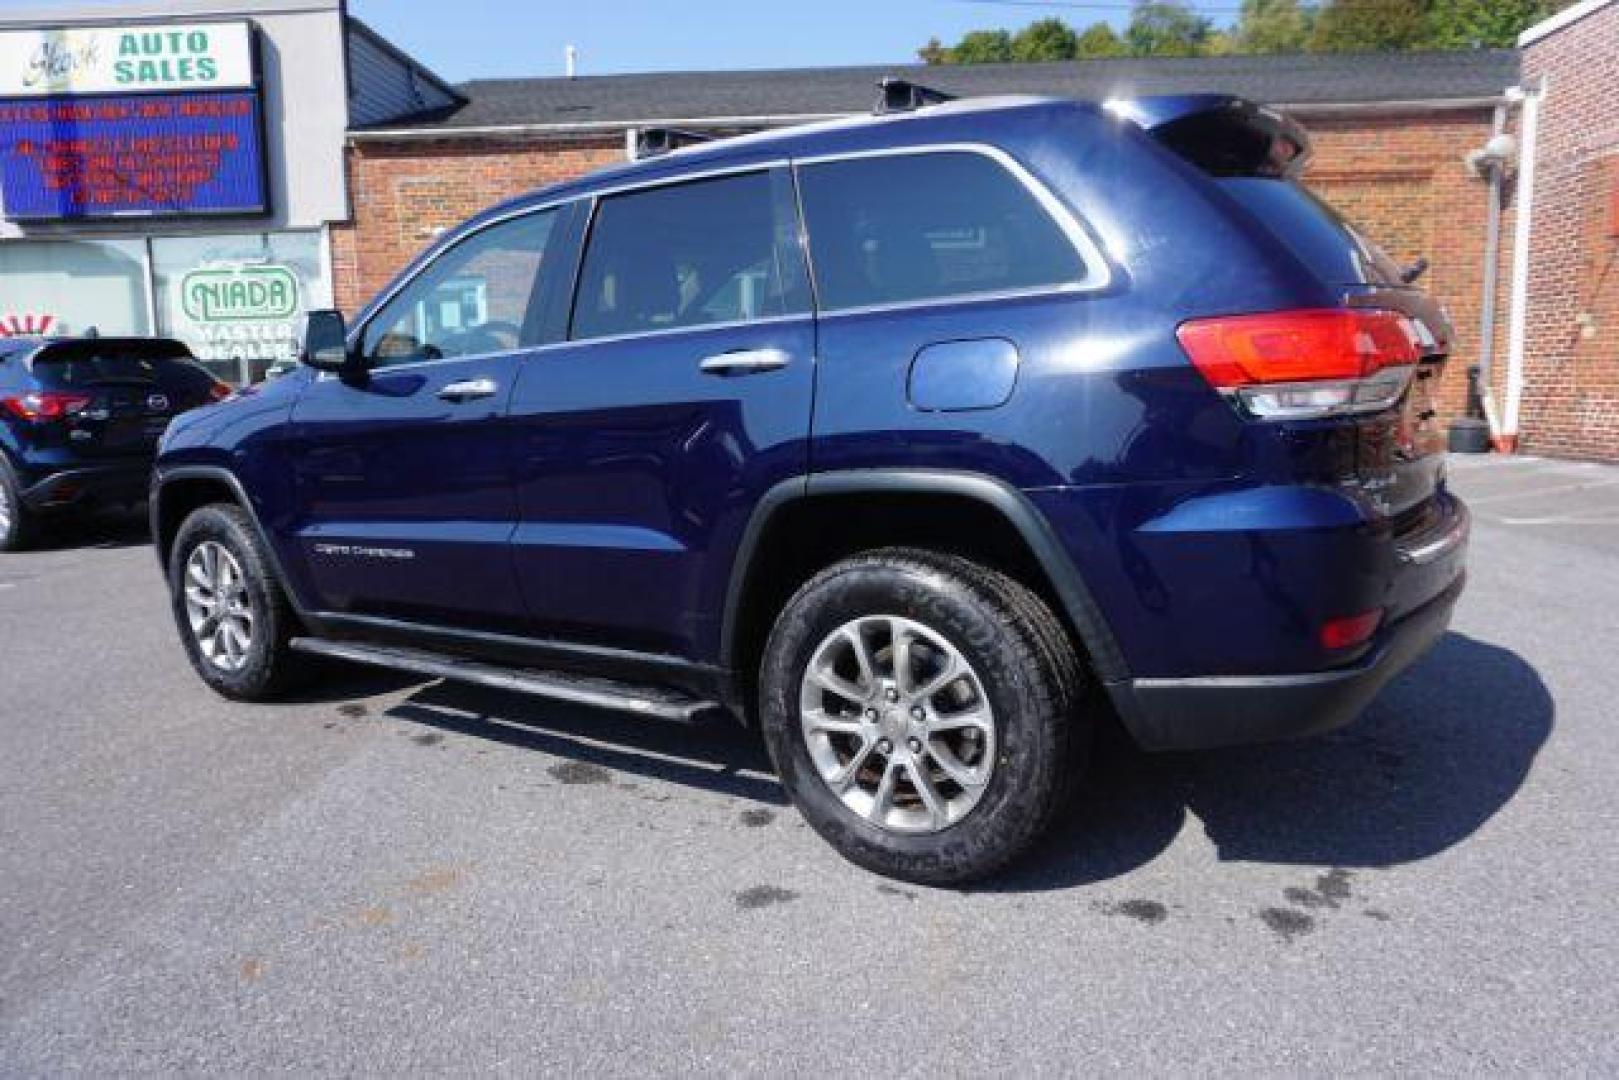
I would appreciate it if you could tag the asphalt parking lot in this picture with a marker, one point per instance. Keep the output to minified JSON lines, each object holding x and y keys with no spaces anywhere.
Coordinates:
{"x":395,"y":876}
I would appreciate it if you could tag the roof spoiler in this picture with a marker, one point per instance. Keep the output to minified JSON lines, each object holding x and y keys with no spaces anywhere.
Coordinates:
{"x":1220,"y":133}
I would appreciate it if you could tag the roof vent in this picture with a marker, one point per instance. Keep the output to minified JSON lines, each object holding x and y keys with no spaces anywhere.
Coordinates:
{"x":655,"y":142}
{"x":900,"y":95}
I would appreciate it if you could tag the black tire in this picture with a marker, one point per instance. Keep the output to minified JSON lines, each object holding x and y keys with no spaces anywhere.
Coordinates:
{"x":269,"y":667}
{"x":17,"y":523}
{"x":1034,"y":681}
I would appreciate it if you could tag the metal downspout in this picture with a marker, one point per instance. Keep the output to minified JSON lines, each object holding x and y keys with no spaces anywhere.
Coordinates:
{"x":1492,"y":259}
{"x":1517,"y":324}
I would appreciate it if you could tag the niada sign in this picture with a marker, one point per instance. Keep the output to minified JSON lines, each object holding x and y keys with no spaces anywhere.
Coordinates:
{"x":126,"y":59}
{"x":241,"y":311}
{"x":239,"y":294}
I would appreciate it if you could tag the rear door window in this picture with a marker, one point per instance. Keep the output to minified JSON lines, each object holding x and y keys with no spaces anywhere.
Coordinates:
{"x":692,"y":254}
{"x":928,"y":226}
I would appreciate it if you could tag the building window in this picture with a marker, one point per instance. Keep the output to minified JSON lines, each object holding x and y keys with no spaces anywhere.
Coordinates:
{"x":238,"y":300}
{"x":60,"y":287}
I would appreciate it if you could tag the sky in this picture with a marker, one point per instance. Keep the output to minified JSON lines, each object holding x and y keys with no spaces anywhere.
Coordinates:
{"x":465,"y":39}
{"x":462,"y":39}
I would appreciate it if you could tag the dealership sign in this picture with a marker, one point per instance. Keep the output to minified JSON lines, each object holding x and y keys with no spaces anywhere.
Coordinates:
{"x":130,"y":121}
{"x":239,"y":293}
{"x":241,"y":311}
{"x":126,"y":59}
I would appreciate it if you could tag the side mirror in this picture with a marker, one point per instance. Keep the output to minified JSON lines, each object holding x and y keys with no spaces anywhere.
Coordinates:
{"x":326,"y":341}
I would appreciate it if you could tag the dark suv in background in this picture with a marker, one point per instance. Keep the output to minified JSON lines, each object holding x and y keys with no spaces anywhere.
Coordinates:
{"x":80,"y":420}
{"x":929,"y":442}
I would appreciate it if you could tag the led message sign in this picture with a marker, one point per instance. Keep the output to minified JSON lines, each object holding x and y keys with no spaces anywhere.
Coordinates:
{"x":132,"y":155}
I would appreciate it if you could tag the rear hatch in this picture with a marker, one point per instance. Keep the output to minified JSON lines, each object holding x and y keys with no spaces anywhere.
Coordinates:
{"x":1399,"y":458}
{"x":1392,"y":457}
{"x":118,"y":393}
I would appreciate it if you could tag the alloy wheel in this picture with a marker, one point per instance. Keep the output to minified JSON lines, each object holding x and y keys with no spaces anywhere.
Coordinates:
{"x":897,"y":724}
{"x":218,"y":606}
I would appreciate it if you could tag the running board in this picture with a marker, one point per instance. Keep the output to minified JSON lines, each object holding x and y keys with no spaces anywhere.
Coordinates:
{"x":659,"y":702}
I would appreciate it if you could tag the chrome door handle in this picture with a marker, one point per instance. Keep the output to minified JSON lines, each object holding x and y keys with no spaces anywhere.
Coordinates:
{"x":745,"y":362}
{"x":468,"y":390}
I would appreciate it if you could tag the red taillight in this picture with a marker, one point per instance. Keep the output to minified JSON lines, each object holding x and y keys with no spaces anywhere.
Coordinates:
{"x":220,"y":391}
{"x":46,"y":405}
{"x":1350,"y":631}
{"x":1297,"y":346}
{"x":1299,"y":364}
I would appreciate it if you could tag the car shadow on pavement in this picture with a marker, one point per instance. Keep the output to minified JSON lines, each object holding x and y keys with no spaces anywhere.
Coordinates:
{"x":715,"y":755}
{"x":99,"y":529}
{"x":1443,"y":749}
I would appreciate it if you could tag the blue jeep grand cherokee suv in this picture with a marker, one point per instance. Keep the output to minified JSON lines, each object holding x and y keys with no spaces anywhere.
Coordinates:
{"x":928,"y":441}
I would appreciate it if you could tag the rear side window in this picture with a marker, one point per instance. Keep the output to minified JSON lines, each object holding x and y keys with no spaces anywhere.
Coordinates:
{"x":691,"y":254}
{"x":80,"y":364}
{"x":1334,"y":250}
{"x":928,"y":226}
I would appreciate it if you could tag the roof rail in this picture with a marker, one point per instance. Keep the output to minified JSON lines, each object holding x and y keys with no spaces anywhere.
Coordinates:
{"x":902,"y":95}
{"x":657,"y":141}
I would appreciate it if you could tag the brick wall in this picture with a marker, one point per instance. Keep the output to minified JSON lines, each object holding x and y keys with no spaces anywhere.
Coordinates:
{"x":404,"y":193}
{"x":1571,"y":362}
{"x":1405,"y":182}
{"x":1403,"y":178}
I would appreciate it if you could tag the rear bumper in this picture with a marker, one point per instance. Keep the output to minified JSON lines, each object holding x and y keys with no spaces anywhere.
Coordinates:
{"x":123,"y":482}
{"x":1202,"y":713}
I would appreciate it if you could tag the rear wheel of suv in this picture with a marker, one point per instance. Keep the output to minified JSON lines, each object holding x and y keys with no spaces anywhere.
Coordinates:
{"x":925,"y":713}
{"x":16,"y":523}
{"x":231,"y":613}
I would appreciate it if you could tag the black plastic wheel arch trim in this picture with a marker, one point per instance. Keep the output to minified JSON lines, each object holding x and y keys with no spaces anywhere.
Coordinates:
{"x":162,"y":476}
{"x":1078,"y":604}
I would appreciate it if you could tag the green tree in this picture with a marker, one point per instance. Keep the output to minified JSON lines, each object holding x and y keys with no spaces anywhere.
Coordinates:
{"x":1370,"y":26}
{"x":1472,"y":24}
{"x":982,"y":47}
{"x":1045,"y":40}
{"x":1098,"y":40}
{"x":1166,"y":28}
{"x":1271,"y":26}
{"x":933,"y":52}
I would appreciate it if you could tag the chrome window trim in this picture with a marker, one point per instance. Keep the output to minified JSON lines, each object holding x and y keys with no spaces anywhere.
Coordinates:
{"x":594,"y":197}
{"x":1098,"y":271}
{"x":670,"y":331}
{"x":713,"y":173}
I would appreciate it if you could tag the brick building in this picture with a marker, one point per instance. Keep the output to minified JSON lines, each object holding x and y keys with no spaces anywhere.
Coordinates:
{"x":1567,"y":343}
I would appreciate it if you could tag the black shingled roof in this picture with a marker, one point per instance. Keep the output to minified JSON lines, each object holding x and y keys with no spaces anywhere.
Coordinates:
{"x":714,"y":96}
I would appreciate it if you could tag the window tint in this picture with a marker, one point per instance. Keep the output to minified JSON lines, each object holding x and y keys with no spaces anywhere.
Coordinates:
{"x":473,"y":298}
{"x":89,"y":363}
{"x":685,"y":255}
{"x":928,"y":225}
